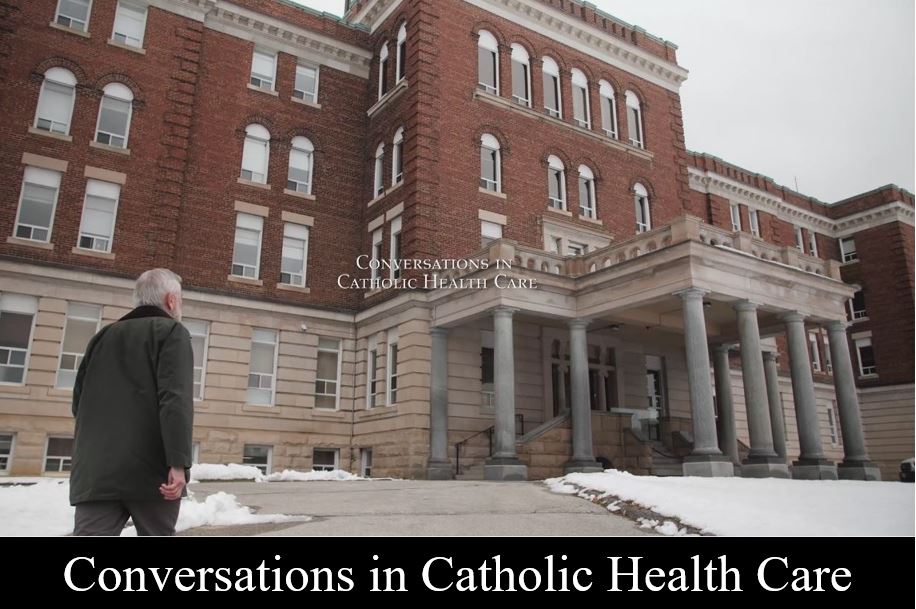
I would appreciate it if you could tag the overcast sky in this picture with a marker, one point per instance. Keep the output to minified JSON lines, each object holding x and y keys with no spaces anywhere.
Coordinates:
{"x":818,"y":91}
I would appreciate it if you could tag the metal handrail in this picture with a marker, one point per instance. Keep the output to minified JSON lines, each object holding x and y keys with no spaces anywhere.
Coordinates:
{"x":519,"y":431}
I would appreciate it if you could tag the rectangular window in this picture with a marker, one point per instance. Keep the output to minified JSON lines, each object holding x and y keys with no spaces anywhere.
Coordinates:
{"x":81,"y":325}
{"x":812,"y":243}
{"x":866,"y":357}
{"x":58,"y":455}
{"x":857,"y":306}
{"x":520,"y":89}
{"x":37,"y":204}
{"x":392,"y":367}
{"x":17,"y":316}
{"x":6,"y":451}
{"x":395,"y":248}
{"x":295,"y":255}
{"x":828,"y":359}
{"x":263,"y":69}
{"x":260,"y":457}
{"x":577,"y":249}
{"x":246,"y":257}
{"x":73,"y":14}
{"x":300,"y":171}
{"x":831,"y":424}
{"x":580,"y":107}
{"x":815,"y":352}
{"x":489,"y":232}
{"x":655,"y":385}
{"x":799,"y":240}
{"x":755,"y":222}
{"x":735,"y":211}
{"x":365,"y":460}
{"x":130,"y":24}
{"x":487,"y":69}
{"x":848,"y":251}
{"x":373,"y":392}
{"x":263,"y":367}
{"x":195,"y":452}
{"x":200,"y":341}
{"x":99,"y":212}
{"x":552,"y":95}
{"x":327,"y":378}
{"x":643,"y":217}
{"x":306,"y":86}
{"x":375,"y":266}
{"x":325,"y":459}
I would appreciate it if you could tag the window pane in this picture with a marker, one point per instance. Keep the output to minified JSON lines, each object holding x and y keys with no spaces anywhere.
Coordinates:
{"x":60,"y":447}
{"x":551,"y":100}
{"x":327,"y":365}
{"x":306,"y":81}
{"x":114,"y":116}
{"x":98,"y":217}
{"x":76,"y":9}
{"x":262,"y":358}
{"x":37,"y":205}
{"x":129,"y":24}
{"x":488,"y":164}
{"x":56,"y":105}
{"x":486,"y":66}
{"x":15,"y":330}
{"x":520,"y":80}
{"x":77,"y":335}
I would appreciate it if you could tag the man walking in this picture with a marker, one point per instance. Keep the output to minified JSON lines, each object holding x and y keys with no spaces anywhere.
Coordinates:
{"x":134,"y":409}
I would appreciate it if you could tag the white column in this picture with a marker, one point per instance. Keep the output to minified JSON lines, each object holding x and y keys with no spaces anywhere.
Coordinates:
{"x":439,"y":467}
{"x":583,"y":459}
{"x":504,"y":464}
{"x":728,"y":433}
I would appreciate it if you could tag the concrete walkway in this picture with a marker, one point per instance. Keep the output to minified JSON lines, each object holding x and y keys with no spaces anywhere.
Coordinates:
{"x":417,"y":508}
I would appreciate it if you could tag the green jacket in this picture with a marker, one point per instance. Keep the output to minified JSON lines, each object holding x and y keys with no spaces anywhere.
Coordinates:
{"x":134,"y":408}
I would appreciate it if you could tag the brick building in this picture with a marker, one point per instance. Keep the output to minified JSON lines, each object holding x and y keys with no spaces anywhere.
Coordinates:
{"x":688,"y":315}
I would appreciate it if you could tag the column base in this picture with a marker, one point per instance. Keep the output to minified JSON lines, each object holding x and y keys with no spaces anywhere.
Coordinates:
{"x":440,"y":471}
{"x":764,"y":467}
{"x":505,"y":469}
{"x":859,"y":470}
{"x":708,"y":466}
{"x":814,"y":469}
{"x":583,"y":467}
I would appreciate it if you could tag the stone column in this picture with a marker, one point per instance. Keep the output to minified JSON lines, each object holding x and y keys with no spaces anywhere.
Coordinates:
{"x":856,"y":464}
{"x":504,"y":464}
{"x":706,"y":458}
{"x":762,"y":461}
{"x":583,"y":459}
{"x":439,"y":467}
{"x":776,"y":417}
{"x":812,"y":464}
{"x":729,"y":434}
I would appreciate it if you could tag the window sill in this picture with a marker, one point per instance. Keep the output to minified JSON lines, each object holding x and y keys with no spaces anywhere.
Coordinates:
{"x":261,"y":409}
{"x":296,"y":193}
{"x":592,"y":220}
{"x":396,"y":92}
{"x":868,"y":377}
{"x":17,"y":388}
{"x":372,"y":293}
{"x":377,"y":199}
{"x":304,"y":102}
{"x":492,"y":193}
{"x":328,"y":413}
{"x":55,"y":136}
{"x":859,"y":320}
{"x":60,"y":393}
{"x":246,"y":281}
{"x":245,"y":182}
{"x":107,"y":148}
{"x":92,"y":253}
{"x":41,"y":245}
{"x":127,"y":47}
{"x":270,"y":92}
{"x":293,"y":288}
{"x":393,"y":188}
{"x":69,"y":30}
{"x":377,"y":412}
{"x":842,"y":264}
{"x":562,"y":212}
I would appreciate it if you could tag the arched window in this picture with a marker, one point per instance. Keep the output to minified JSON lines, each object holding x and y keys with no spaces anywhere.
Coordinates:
{"x":582,"y":112}
{"x":521,"y":76}
{"x":608,"y":109}
{"x":397,"y":157}
{"x":634,"y":120}
{"x":256,"y":154}
{"x":553,"y":98}
{"x":487,"y":62}
{"x":379,"y":182}
{"x":643,"y":211}
{"x":114,"y":115}
{"x":490,"y":164}
{"x":556,"y":183}
{"x":55,"y":101}
{"x":587,"y":205}
{"x":383,"y":71}
{"x":301,"y":162}
{"x":402,"y":53}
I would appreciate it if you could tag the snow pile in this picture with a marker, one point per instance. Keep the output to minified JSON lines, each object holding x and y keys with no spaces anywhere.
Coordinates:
{"x":761,"y":507}
{"x":289,"y":475}
{"x":42,"y":509}
{"x":201,"y":472}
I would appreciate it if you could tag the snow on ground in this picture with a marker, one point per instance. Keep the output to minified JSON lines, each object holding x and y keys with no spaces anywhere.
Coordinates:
{"x":209,"y":472}
{"x":289,"y":475}
{"x":760,"y":507}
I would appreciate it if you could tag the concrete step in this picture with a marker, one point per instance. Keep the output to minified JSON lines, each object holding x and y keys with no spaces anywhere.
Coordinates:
{"x":474,"y":472}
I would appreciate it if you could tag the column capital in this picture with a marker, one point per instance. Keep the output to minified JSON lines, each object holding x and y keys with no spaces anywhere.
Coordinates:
{"x":770,"y":356}
{"x":793,"y":317}
{"x":726,"y":347}
{"x":837,"y":325}
{"x":578,"y":323}
{"x":745,"y":305}
{"x":504,"y":312}
{"x":691,"y":294}
{"x":438,"y":331}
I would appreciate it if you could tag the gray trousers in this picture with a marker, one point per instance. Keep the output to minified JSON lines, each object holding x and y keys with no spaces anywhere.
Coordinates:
{"x":99,"y":518}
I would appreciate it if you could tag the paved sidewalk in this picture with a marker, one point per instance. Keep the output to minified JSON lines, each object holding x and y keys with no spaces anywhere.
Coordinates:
{"x":418,"y":508}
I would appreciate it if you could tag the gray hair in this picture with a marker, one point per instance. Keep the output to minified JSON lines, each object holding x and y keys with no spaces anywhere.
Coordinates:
{"x":154,"y":285}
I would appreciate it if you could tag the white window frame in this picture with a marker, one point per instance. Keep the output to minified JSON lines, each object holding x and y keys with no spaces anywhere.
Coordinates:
{"x":19,"y":304}
{"x":394,"y":256}
{"x":63,"y":460}
{"x":339,"y":352}
{"x":845,"y":254}
{"x":378,"y":182}
{"x":118,"y":93}
{"x":580,"y":91}
{"x":383,"y":71}
{"x":365,"y":462}
{"x":734,"y":210}
{"x":857,"y":314}
{"x":609,"y":103}
{"x":815,"y":352}
{"x":267,"y":467}
{"x":256,"y":135}
{"x":301,"y":145}
{"x":372,"y":397}
{"x":397,"y":157}
{"x":46,"y":175}
{"x":295,"y":232}
{"x":270,"y":79}
{"x":489,"y":232}
{"x":78,"y":357}
{"x":60,"y":77}
{"x":401,"y":54}
{"x":555,"y":165}
{"x":634,"y":105}
{"x":309,"y":96}
{"x":192,"y":326}
{"x":240,"y":218}
{"x":273,"y":377}
{"x":8,"y":466}
{"x":828,"y":358}
{"x":870,"y":370}
{"x":377,"y":240}
{"x":576,"y":248}
{"x":391,"y":375}
{"x":588,"y":209}
{"x":799,"y":239}
{"x":134,"y":6}
{"x":812,"y":243}
{"x":831,"y":425}
{"x":487,"y":42}
{"x":643,"y":207}
{"x":520,"y":57}
{"x":550,"y":69}
{"x":195,"y":453}
{"x":114,"y":217}
{"x":490,"y":143}
{"x":754,"y":219}
{"x":85,"y":27}
{"x":323,"y":468}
